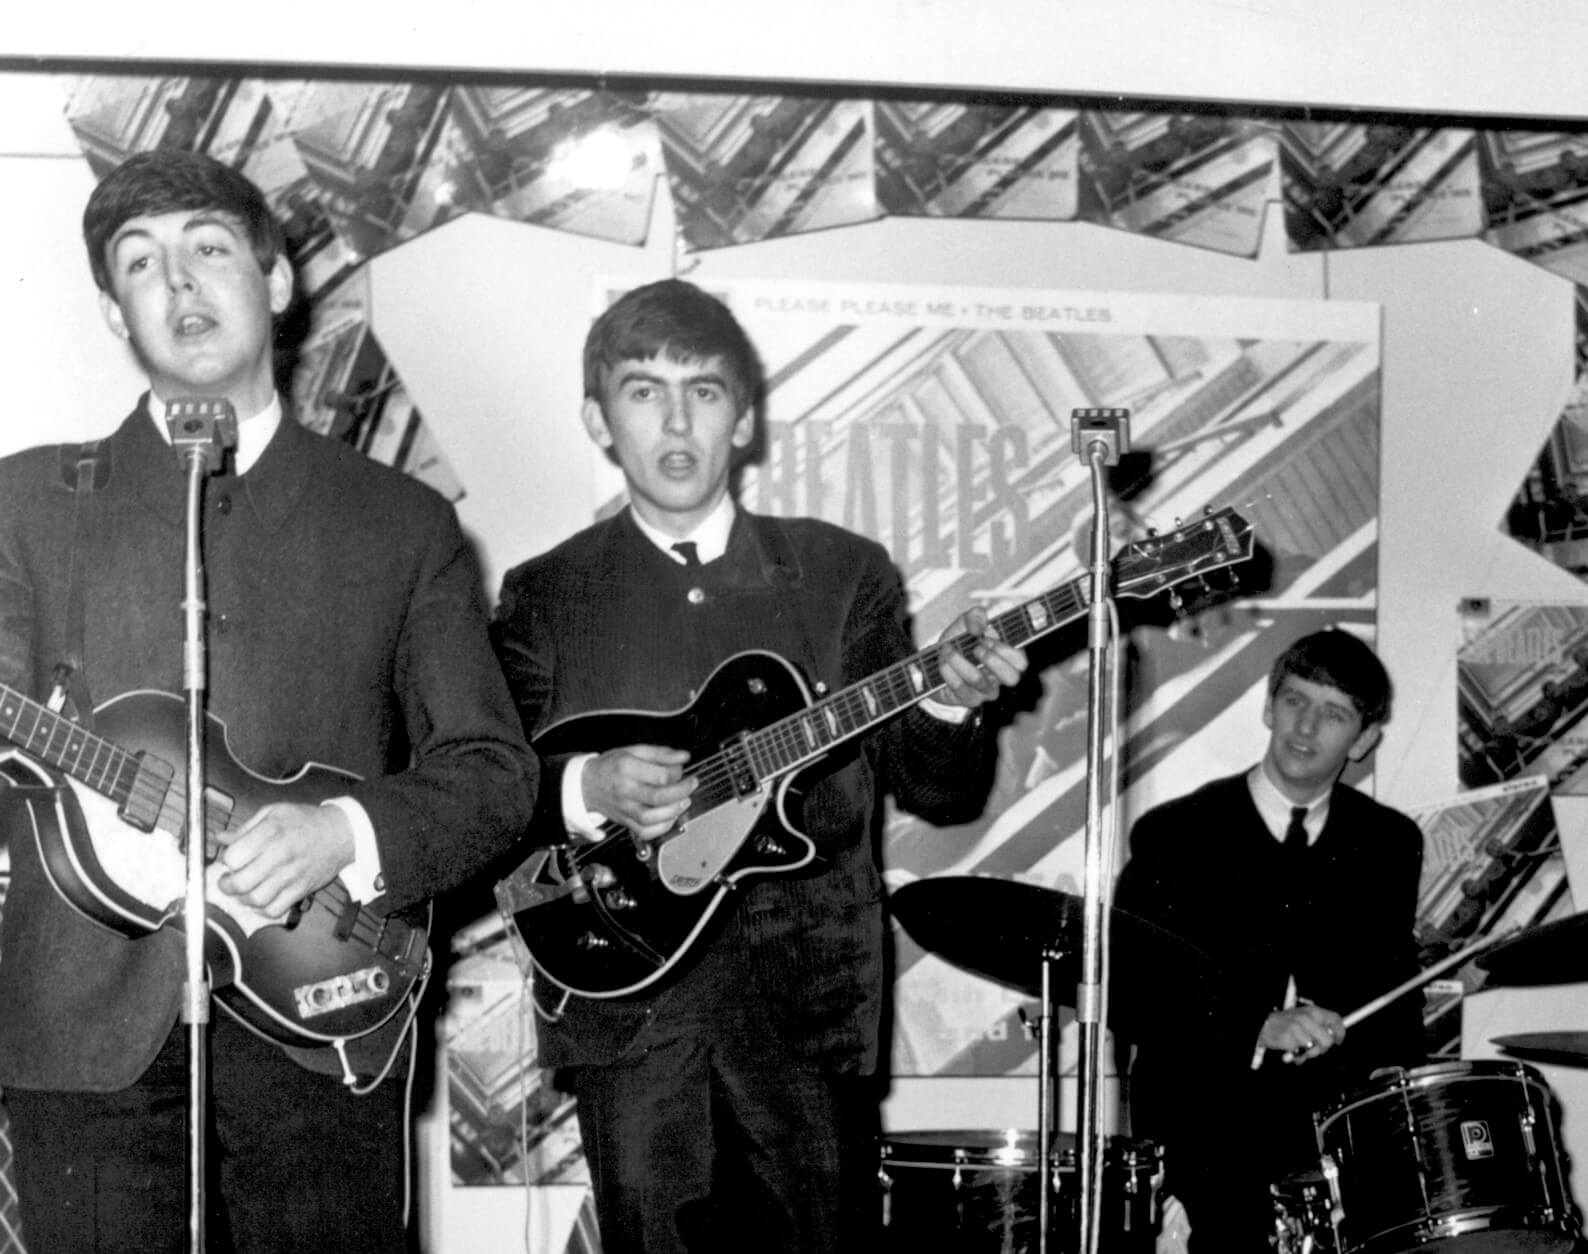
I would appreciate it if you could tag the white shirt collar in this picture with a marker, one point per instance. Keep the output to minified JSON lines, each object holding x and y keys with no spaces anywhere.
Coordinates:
{"x":1274,"y":807}
{"x":711,"y":537}
{"x":254,"y":431}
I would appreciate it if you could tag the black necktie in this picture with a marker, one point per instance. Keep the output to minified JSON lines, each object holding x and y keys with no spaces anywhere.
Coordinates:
{"x":686,"y":550}
{"x":1296,"y":833}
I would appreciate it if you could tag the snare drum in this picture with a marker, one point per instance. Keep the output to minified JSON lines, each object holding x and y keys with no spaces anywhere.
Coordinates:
{"x":1428,"y":1156}
{"x":969,"y":1192}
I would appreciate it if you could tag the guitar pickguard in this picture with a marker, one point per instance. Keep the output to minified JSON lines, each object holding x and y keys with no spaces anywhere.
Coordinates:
{"x":149,"y":867}
{"x":695,"y":857}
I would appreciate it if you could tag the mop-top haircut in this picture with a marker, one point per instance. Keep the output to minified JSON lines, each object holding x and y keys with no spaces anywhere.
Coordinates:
{"x":170,"y":181}
{"x":1340,"y":660}
{"x":676,"y":320}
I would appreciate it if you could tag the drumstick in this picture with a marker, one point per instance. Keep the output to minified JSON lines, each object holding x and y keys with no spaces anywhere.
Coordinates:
{"x":1422,"y":977}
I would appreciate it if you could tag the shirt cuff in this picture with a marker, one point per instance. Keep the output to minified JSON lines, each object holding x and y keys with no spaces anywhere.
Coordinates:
{"x":579,"y":821}
{"x":363,"y":879}
{"x":948,"y":713}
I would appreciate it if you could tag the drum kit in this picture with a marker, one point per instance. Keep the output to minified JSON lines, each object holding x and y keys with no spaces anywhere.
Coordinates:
{"x":1448,"y":1158}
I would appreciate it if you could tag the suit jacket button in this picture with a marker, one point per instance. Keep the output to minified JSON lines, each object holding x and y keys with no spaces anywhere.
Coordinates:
{"x":697,"y":595}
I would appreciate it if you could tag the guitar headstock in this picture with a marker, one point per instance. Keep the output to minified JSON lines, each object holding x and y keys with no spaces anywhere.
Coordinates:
{"x":1218,"y":539}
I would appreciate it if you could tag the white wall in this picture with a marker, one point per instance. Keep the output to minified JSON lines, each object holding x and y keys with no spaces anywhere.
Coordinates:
{"x":485,"y":319}
{"x":1482,"y":56}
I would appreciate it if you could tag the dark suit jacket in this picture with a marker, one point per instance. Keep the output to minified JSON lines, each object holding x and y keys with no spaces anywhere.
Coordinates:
{"x":607,"y":621}
{"x":346,"y":628}
{"x":1204,"y":867}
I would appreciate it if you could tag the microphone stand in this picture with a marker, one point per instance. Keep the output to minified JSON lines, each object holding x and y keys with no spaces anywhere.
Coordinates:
{"x":1047,"y":1040}
{"x":1099,"y":435}
{"x":201,"y":429}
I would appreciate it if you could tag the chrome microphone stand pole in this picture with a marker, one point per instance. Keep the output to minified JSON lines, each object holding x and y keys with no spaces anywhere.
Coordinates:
{"x":1099,"y":436}
{"x":1047,"y":1047}
{"x":201,"y":430}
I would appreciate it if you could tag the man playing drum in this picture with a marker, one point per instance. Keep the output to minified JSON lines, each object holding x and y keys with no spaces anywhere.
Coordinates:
{"x":1301,"y":892}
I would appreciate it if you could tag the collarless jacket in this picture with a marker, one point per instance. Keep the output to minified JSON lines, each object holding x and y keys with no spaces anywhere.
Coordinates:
{"x":346,"y":628}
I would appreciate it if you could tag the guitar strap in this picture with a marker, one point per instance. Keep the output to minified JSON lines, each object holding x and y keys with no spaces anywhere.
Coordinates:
{"x":85,"y":468}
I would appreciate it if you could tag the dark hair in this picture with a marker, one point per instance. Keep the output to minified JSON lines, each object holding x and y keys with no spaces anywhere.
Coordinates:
{"x":169,"y":180}
{"x":1339,"y":659}
{"x":677,"y":319}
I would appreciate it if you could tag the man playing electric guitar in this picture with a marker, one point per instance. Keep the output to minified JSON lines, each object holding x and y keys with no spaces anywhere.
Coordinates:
{"x":730,"y":1101}
{"x":347,"y":629}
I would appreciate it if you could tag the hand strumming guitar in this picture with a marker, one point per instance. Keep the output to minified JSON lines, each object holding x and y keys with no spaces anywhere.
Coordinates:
{"x":641,"y":786}
{"x":285,"y":852}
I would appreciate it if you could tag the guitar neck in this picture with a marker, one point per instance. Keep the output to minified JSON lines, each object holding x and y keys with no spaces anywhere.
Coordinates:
{"x":800,"y":738}
{"x":91,"y":760}
{"x":1144,"y":568}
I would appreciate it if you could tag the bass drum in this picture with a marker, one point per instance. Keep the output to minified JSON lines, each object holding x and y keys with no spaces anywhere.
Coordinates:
{"x":1455,"y":1158}
{"x":974,"y":1192}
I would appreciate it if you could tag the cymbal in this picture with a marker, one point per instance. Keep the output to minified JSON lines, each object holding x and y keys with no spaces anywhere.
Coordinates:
{"x":1000,"y":929}
{"x":1569,"y":1048}
{"x":1551,"y":953}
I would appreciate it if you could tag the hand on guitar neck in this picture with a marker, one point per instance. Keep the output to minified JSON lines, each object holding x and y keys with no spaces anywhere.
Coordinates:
{"x":975,"y":664}
{"x":644,"y":787}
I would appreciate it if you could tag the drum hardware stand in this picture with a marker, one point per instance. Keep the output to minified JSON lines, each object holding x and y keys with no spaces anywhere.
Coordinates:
{"x":1099,"y":436}
{"x":201,"y":430}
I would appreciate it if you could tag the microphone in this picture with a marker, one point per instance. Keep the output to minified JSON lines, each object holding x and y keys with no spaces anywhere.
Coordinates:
{"x":1108,"y":427}
{"x":202,"y":427}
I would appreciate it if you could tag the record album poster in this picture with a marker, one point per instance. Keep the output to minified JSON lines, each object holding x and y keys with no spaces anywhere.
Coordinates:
{"x":1355,"y":186}
{"x":962,"y":159}
{"x":748,"y":168}
{"x":1522,"y":693}
{"x":1535,"y":192}
{"x":939,"y":422}
{"x":1493,"y":862}
{"x":1199,"y":179}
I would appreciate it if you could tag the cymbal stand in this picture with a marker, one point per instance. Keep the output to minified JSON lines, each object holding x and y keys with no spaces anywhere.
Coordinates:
{"x":200,"y":432}
{"x":1100,"y":436}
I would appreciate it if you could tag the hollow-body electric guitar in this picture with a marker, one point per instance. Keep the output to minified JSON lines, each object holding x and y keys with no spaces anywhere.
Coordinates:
{"x":608,"y":918}
{"x":109,"y":837}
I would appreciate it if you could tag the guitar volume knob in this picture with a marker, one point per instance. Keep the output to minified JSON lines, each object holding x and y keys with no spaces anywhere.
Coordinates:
{"x":592,"y":940}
